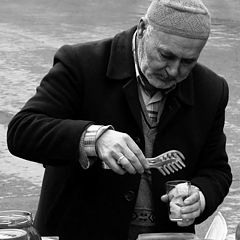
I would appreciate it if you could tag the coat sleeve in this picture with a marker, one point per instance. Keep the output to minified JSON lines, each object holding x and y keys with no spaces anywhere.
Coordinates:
{"x":214,"y":175}
{"x":48,"y":128}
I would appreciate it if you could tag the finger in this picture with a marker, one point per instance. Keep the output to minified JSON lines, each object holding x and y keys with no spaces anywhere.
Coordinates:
{"x":191,"y":208}
{"x":194,"y":197}
{"x":132,"y":158}
{"x":185,"y":223}
{"x":112,"y":164}
{"x":133,"y":162}
{"x":194,"y":189}
{"x":190,"y":213}
{"x":138,"y":153}
{"x":164,"y":198}
{"x":126,"y":165}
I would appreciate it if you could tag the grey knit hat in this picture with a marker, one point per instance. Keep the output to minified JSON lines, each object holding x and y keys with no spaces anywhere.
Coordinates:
{"x":186,"y":18}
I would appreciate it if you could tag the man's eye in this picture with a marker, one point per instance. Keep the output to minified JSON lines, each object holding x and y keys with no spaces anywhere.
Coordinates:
{"x":188,"y":61}
{"x":169,"y":57}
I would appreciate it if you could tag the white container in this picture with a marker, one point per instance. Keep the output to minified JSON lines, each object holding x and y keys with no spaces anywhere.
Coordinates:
{"x":13,"y":234}
{"x":167,"y":236}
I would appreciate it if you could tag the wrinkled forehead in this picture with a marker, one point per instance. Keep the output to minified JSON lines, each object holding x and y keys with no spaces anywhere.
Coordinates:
{"x":178,"y":45}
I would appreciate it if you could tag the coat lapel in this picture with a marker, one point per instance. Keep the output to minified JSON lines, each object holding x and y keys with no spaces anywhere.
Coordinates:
{"x":182,"y":96}
{"x":171,"y":108}
{"x":121,"y":68}
{"x":121,"y":62}
{"x":131,"y":94}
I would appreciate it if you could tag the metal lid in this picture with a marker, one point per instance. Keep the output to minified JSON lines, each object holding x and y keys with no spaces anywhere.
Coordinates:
{"x":14,"y":219}
{"x":13,"y":234}
{"x":166,"y":236}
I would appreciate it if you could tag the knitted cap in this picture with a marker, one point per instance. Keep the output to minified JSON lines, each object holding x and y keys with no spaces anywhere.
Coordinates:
{"x":186,"y":18}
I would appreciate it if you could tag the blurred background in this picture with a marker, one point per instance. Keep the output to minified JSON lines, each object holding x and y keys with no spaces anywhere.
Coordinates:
{"x":30,"y":33}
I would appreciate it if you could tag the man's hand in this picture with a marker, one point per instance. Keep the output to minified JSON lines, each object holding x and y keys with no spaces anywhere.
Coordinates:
{"x":191,"y":209}
{"x":120,"y":153}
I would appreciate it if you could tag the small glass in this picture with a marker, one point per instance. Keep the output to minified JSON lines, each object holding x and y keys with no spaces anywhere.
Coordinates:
{"x":177,"y":191}
{"x":18,"y":219}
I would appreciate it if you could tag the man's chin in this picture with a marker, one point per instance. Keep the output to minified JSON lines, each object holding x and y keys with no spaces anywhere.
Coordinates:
{"x":165,"y":85}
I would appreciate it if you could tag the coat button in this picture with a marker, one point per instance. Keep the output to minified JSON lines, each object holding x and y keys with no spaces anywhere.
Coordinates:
{"x":130,"y":196}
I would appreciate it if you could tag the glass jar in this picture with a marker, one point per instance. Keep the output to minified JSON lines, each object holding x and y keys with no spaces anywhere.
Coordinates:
{"x":13,"y":234}
{"x":18,"y":219}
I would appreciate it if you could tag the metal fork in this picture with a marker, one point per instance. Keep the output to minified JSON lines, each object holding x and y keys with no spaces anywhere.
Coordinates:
{"x":167,"y":162}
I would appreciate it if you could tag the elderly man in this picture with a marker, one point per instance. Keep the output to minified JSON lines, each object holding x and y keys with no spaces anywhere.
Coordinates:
{"x":107,"y":105}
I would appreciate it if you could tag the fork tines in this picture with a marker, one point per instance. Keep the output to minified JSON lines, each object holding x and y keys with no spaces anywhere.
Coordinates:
{"x":167,"y":162}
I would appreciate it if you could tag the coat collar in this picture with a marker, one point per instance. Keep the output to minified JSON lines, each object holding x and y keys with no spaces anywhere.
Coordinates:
{"x":185,"y":90}
{"x":121,"y":62}
{"x":121,"y":66}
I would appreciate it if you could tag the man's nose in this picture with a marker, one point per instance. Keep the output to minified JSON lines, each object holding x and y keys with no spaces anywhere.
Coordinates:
{"x":173,"y":68}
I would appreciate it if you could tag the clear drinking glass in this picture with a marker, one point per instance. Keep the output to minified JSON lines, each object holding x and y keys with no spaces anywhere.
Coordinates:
{"x":18,"y":219}
{"x":177,"y":191}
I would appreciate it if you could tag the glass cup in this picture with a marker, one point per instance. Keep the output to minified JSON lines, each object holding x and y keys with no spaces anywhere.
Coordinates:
{"x":177,"y":191}
{"x":18,"y":219}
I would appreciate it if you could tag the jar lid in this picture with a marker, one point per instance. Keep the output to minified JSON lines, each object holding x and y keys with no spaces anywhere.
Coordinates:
{"x":13,"y":234}
{"x":11,"y":221}
{"x":166,"y":236}
{"x":14,"y":219}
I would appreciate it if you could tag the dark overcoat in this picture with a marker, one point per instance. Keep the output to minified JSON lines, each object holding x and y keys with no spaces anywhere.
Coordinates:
{"x":95,"y":82}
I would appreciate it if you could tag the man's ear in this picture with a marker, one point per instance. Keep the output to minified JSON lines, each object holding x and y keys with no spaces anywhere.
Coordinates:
{"x":141,"y":27}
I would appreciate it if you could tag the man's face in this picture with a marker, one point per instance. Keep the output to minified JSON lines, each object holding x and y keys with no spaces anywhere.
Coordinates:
{"x":166,"y":59}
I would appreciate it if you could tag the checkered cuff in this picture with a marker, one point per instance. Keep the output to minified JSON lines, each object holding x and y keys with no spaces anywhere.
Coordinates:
{"x":87,"y":147}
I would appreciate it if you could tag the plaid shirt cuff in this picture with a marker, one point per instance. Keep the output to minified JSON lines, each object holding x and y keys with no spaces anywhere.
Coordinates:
{"x":87,"y":146}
